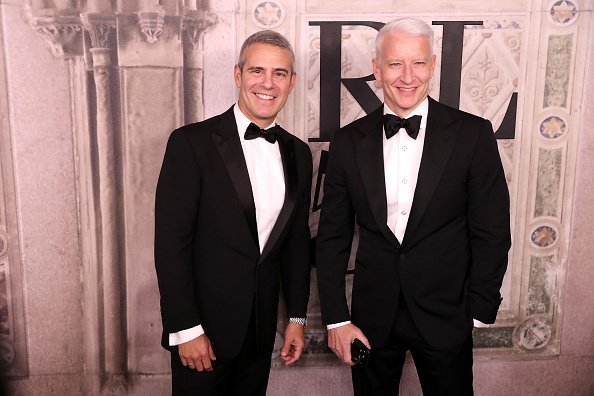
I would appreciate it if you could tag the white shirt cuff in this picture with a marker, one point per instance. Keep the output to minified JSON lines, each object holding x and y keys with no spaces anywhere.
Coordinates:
{"x":335,"y":325}
{"x":479,"y":324}
{"x":185,"y":335}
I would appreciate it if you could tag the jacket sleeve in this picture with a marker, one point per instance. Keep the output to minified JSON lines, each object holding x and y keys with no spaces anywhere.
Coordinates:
{"x":489,"y":225}
{"x":176,"y":202}
{"x":296,"y":257}
{"x":335,"y":234}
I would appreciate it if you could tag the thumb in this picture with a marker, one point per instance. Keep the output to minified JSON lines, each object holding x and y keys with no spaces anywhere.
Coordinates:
{"x":286,"y":347}
{"x":364,"y":340}
{"x":211,"y":353}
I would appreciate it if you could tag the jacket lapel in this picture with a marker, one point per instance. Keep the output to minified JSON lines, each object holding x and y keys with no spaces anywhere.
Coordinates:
{"x":226,"y":140}
{"x":440,"y":136}
{"x":370,"y":160}
{"x":287,"y":151}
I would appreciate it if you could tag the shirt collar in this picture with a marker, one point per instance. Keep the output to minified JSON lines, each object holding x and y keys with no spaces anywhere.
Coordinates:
{"x":243,"y":122}
{"x":422,"y":109}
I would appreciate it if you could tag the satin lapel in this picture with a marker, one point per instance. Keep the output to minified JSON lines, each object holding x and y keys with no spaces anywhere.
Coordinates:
{"x":287,"y":151}
{"x":370,"y":160}
{"x":226,"y":140}
{"x":440,"y":137}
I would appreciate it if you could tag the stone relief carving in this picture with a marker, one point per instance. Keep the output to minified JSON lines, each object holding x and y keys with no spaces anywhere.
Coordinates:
{"x":151,"y":24}
{"x":269,"y":14}
{"x":563,"y":12}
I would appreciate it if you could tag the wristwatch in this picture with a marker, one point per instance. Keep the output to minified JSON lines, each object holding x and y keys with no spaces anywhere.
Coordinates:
{"x":299,"y":321}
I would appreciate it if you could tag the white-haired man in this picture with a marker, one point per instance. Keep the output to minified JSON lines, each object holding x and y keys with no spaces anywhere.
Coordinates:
{"x":425,"y":184}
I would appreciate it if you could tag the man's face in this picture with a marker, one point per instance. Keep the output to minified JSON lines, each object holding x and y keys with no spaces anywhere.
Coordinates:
{"x":404,"y":68}
{"x":264,"y":83}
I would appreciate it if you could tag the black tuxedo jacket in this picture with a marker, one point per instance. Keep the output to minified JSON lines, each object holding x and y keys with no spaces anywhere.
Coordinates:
{"x":209,"y":267}
{"x":451,"y":262}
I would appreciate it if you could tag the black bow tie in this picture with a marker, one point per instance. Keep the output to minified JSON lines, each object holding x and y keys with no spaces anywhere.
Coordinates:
{"x":254,"y":131}
{"x":392,"y":125}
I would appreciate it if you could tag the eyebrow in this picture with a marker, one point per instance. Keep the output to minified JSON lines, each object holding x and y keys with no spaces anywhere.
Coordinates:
{"x":261,"y":68}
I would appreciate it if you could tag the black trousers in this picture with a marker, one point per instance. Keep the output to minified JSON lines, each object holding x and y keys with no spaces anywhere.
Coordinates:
{"x":246,"y":374}
{"x":441,"y":372}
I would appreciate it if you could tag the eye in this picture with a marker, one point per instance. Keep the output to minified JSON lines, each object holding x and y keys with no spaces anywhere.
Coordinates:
{"x":395,"y":64}
{"x":280,"y":74}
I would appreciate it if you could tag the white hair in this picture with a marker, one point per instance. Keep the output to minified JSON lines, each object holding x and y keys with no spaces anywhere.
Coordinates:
{"x":407,"y":26}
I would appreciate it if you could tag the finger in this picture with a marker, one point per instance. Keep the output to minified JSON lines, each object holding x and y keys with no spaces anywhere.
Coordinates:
{"x":207,"y":364}
{"x":211,"y":353}
{"x":346,"y":355}
{"x":364,"y":340}
{"x":183,"y":360}
{"x":295,"y":355}
{"x":286,"y":349}
{"x":199,"y":365}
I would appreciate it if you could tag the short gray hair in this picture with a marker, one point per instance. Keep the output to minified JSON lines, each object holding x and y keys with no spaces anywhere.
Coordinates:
{"x":269,"y":37}
{"x":407,"y":26}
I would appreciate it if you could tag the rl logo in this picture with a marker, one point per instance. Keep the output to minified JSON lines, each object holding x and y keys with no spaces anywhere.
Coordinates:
{"x":330,"y":83}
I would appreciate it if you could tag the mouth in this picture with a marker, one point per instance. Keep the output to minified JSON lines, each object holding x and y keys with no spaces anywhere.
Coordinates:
{"x":264,"y":96}
{"x":407,"y":89}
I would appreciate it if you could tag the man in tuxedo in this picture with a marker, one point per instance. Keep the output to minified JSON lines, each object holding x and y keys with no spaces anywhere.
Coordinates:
{"x":425,"y":184}
{"x":231,"y":225}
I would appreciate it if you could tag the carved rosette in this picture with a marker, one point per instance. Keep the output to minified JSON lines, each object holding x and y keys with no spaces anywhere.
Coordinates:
{"x":534,"y":333}
{"x":544,"y":236}
{"x":553,"y":127}
{"x":563,"y":12}
{"x":268,"y":14}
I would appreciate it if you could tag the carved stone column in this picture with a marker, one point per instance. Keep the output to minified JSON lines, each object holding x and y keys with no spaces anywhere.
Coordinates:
{"x":194,"y":24}
{"x":114,"y":352}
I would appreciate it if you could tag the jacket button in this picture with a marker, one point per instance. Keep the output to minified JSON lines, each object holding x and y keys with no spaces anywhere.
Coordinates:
{"x":402,"y":257}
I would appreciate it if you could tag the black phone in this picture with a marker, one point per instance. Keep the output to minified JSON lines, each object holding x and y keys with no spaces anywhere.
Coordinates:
{"x":360,"y":353}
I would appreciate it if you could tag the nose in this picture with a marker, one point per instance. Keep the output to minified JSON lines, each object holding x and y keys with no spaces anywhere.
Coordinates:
{"x":407,"y":74}
{"x":267,"y":80}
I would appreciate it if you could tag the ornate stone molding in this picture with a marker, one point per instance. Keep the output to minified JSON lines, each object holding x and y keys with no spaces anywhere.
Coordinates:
{"x":99,"y":27}
{"x":63,"y":33}
{"x":151,"y":24}
{"x":194,"y":24}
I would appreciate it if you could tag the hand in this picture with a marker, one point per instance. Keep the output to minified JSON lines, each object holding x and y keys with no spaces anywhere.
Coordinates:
{"x":294,"y":343}
{"x":197,"y":354}
{"x":340,"y":339}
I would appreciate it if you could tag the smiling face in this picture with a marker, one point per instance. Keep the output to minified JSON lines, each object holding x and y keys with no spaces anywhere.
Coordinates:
{"x":404,"y":67}
{"x":264,"y":82}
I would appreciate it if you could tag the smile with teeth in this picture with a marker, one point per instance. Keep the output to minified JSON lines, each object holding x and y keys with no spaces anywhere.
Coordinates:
{"x":407,"y":89}
{"x":264,"y":96}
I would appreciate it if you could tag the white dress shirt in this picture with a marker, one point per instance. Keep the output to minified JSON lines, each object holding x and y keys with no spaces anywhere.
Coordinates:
{"x":402,"y":160}
{"x":265,"y":169}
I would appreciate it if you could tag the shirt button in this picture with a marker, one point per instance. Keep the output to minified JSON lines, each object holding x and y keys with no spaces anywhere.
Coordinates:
{"x":403,"y":148}
{"x":403,"y":213}
{"x":403,"y":181}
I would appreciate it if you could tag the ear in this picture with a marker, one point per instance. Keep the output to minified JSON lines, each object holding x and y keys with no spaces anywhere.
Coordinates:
{"x":376,"y":70}
{"x":237,"y":75}
{"x":433,"y":62}
{"x":293,"y":81}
